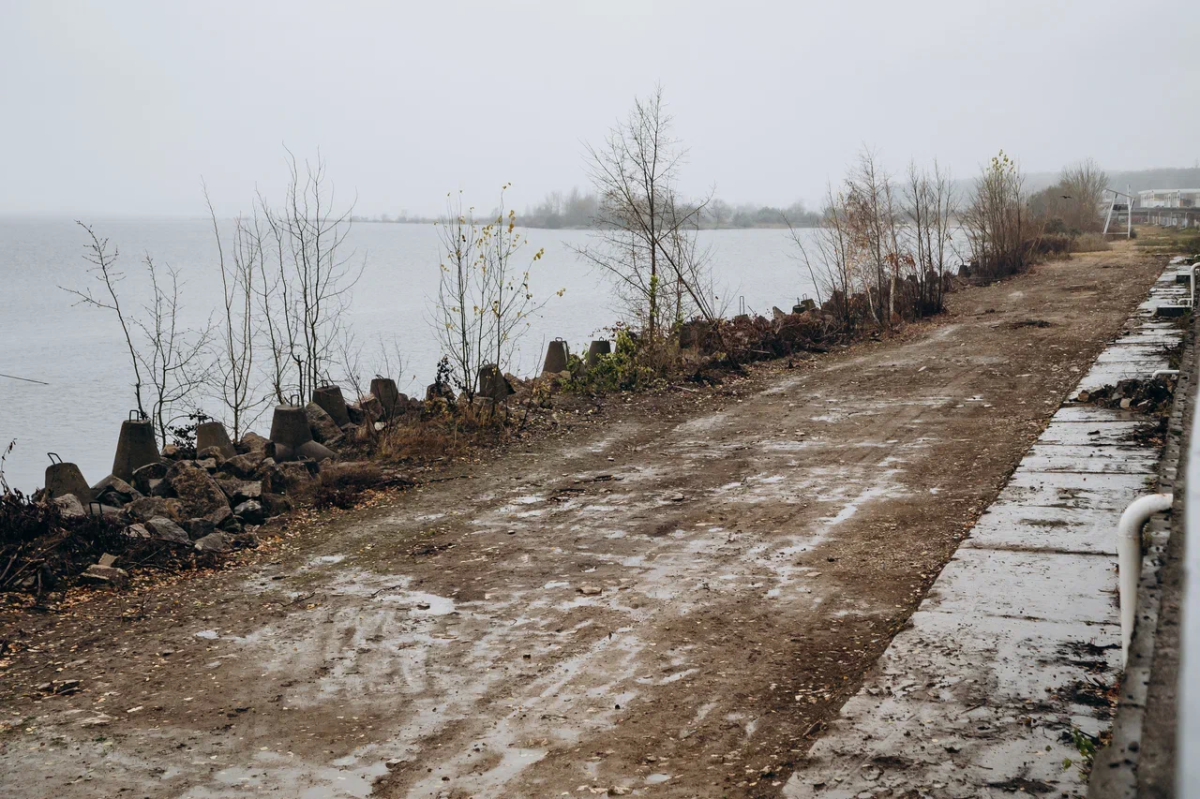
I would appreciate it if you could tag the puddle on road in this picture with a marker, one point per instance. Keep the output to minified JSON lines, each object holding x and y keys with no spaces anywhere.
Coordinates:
{"x":284,"y":775}
{"x":703,"y":424}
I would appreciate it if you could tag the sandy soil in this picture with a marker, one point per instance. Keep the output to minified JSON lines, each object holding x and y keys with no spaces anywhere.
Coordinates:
{"x":666,"y":600}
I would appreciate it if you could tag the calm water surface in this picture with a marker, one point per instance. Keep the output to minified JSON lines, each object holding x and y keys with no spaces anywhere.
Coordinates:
{"x":80,"y":353}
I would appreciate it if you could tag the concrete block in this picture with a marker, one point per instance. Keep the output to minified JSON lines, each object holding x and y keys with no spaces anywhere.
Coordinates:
{"x":136,"y":447}
{"x":213,"y":434}
{"x":330,"y":399}
{"x":556,"y":357}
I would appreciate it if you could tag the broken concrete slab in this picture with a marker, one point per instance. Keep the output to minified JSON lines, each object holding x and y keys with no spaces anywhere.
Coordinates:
{"x":106,"y":575}
{"x":69,"y":507}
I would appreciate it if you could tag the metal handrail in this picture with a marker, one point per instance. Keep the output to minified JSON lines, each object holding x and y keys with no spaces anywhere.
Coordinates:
{"x":1187,"y":765}
{"x":1129,"y":559}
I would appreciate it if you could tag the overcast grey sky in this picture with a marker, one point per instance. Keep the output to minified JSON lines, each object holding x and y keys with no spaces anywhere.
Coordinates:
{"x":121,"y":107}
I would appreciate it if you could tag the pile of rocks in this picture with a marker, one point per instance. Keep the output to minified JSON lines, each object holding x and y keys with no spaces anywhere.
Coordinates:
{"x":204,"y":499}
{"x":210,"y":502}
{"x":745,"y":336}
{"x":208,"y":499}
{"x":206,"y":502}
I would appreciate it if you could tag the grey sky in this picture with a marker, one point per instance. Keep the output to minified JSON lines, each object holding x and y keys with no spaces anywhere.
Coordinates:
{"x":120,"y":107}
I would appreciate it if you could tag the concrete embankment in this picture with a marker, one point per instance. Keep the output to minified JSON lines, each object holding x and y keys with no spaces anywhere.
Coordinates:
{"x":1002,"y":680}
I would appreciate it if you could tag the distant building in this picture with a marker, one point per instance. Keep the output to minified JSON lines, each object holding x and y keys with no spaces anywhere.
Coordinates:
{"x":1168,"y":207}
{"x":1169,"y":198}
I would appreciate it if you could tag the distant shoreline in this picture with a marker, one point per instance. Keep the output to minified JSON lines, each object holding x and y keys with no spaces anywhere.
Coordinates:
{"x":763,"y":226}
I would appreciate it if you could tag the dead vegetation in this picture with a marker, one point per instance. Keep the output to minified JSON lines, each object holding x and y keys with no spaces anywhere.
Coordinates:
{"x":44,"y":550}
{"x":1152,"y":397}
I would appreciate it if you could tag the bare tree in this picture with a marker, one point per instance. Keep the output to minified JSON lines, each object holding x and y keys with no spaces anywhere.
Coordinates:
{"x":837,"y":258}
{"x":930,"y":208}
{"x":642,"y":228}
{"x":458,"y":312}
{"x":689,"y":264}
{"x":719,"y":212}
{"x":271,"y":295}
{"x":103,"y":269}
{"x":797,"y":239}
{"x":305,"y":300}
{"x":872,"y":216}
{"x":235,"y":376}
{"x":166,"y":354}
{"x":172,"y":356}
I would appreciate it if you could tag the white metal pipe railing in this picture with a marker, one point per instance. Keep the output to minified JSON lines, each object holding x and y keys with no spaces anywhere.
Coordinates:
{"x":1187,"y":765}
{"x":1129,"y":559}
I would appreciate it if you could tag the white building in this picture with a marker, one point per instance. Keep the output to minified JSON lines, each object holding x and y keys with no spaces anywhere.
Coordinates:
{"x":1169,"y":198}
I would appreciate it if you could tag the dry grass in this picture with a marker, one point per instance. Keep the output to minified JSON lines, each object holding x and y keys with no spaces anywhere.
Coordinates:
{"x":1090,"y":242}
{"x":1168,"y":241}
{"x":420,"y":442}
{"x":340,"y":484}
{"x":444,"y":434}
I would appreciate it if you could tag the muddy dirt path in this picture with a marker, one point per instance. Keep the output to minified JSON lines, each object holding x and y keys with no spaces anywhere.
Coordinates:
{"x":664,"y":601}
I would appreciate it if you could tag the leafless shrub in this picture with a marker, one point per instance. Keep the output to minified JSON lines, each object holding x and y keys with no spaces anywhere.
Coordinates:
{"x":999,"y":232}
{"x":4,"y":489}
{"x":419,"y":440}
{"x":1090,"y":242}
{"x":304,"y":297}
{"x":234,"y":370}
{"x":484,"y":298}
{"x":167,"y":354}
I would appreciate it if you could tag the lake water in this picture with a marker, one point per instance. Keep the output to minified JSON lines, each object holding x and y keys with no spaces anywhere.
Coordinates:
{"x":80,"y":353}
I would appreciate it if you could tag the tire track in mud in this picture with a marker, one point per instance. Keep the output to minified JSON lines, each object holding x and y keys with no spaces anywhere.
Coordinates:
{"x":897,"y":426}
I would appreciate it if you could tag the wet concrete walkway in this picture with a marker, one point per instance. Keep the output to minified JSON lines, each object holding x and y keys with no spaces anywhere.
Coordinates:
{"x":1016,"y":644}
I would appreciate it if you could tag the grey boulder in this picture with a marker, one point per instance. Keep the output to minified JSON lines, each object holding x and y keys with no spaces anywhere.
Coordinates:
{"x":196,"y":489}
{"x":250,"y":512}
{"x":166,"y":530}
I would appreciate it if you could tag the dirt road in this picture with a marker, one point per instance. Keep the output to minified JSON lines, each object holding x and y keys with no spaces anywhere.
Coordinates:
{"x":664,"y":601}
